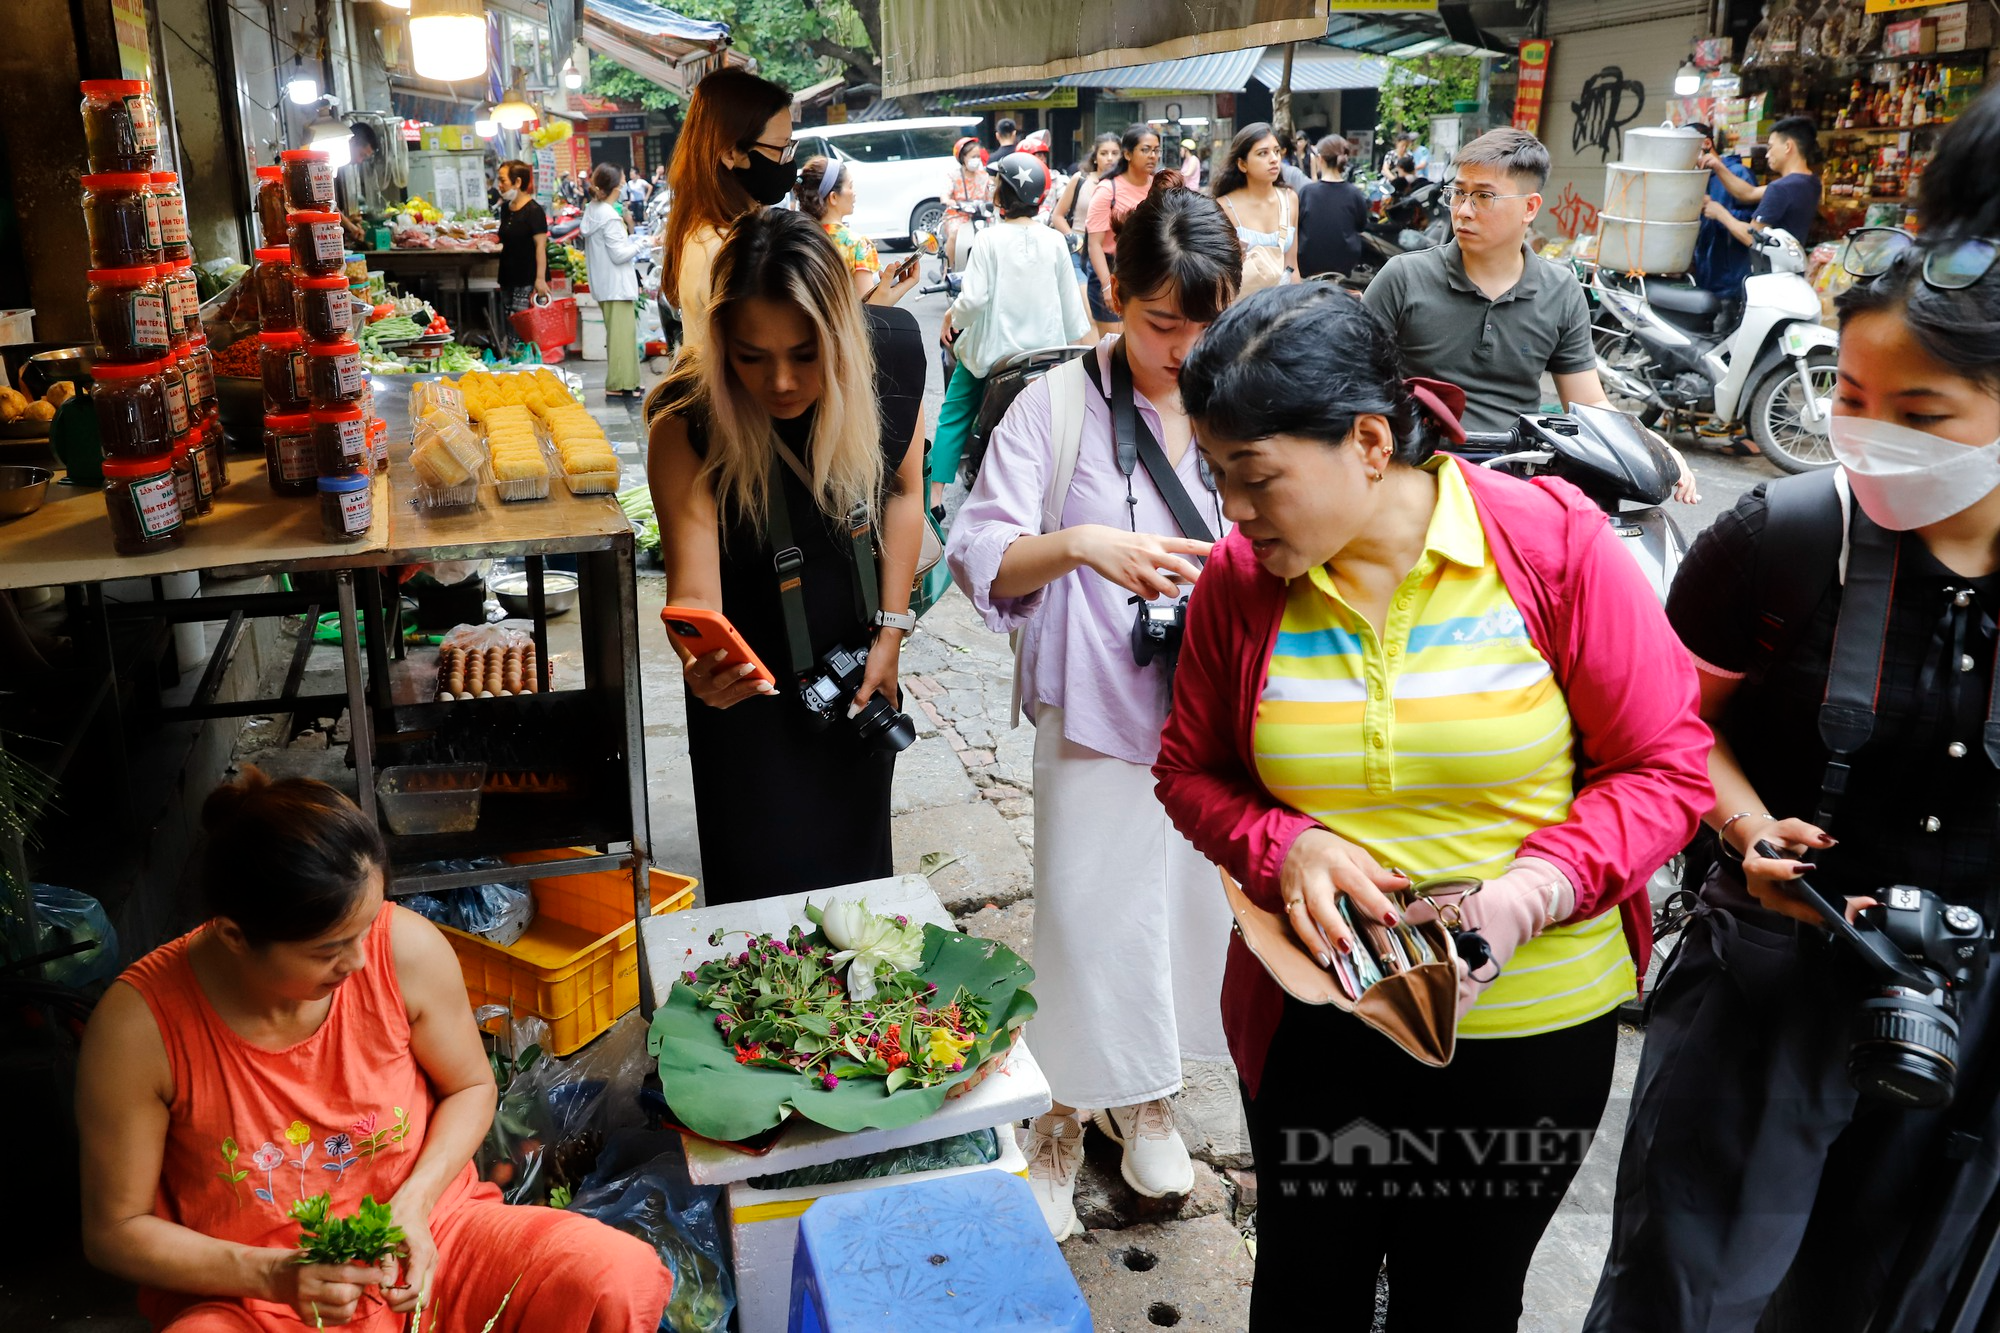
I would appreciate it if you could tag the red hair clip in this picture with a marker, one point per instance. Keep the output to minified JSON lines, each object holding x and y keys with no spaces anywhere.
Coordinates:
{"x":1443,"y":403}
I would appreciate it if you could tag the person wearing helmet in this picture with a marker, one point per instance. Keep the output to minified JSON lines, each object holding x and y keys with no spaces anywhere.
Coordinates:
{"x":1038,"y":144}
{"x":969,"y":185}
{"x":1190,"y":164}
{"x":1019,"y":295}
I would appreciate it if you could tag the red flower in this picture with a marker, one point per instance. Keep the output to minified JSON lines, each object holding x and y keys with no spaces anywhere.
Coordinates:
{"x":745,"y":1054}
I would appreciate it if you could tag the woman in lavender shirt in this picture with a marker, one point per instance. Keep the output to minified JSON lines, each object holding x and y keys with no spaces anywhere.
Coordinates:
{"x":1130,"y":925}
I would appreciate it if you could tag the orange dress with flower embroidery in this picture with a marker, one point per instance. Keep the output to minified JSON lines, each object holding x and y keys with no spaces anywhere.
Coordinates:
{"x":251,"y":1132}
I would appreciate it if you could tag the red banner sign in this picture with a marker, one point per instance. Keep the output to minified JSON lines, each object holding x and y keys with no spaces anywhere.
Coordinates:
{"x":1534,"y":71}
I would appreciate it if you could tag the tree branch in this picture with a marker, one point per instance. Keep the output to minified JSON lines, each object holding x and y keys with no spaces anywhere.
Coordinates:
{"x":861,"y":62}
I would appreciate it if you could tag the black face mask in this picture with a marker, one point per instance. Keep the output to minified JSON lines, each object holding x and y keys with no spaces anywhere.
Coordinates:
{"x":766,"y":181}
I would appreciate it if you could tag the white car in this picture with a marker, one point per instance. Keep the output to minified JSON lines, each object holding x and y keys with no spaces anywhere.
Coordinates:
{"x":901,"y":170}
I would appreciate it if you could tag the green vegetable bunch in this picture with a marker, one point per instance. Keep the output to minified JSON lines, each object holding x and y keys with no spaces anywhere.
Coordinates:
{"x":366,"y":1238}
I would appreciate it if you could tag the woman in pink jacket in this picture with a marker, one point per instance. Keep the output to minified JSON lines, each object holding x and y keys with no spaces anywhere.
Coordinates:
{"x":1399,"y":663}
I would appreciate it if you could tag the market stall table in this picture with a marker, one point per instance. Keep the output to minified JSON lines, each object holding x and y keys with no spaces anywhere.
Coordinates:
{"x":445,"y":271}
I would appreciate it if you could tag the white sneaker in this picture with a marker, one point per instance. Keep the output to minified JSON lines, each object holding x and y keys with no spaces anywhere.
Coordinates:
{"x":1156,"y":1161}
{"x":1054,"y":1149}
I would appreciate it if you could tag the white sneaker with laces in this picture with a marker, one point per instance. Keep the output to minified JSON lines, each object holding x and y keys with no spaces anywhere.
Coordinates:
{"x":1156,"y":1161}
{"x":1054,"y":1149}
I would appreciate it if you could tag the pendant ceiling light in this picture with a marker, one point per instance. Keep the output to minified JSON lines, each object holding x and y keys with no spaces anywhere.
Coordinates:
{"x":1687,"y":81}
{"x":448,"y":39}
{"x":331,"y":135}
{"x":397,"y":4}
{"x":301,"y":88}
{"x":515,"y":110}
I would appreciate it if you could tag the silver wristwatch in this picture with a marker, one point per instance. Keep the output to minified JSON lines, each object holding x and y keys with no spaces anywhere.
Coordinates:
{"x":901,"y":620}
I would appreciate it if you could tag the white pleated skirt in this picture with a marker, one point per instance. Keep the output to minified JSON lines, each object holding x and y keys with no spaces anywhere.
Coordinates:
{"x":1131,"y":930}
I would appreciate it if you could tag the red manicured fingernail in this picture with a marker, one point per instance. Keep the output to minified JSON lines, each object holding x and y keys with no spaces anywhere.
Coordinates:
{"x":1391,"y":919}
{"x":1346,"y":945}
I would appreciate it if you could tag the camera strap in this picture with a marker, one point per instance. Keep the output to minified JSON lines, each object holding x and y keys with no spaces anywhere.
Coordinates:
{"x":790,"y":561}
{"x":1854,"y":675}
{"x":1136,"y":446}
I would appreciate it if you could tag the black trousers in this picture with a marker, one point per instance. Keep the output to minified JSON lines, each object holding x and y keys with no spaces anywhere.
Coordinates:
{"x":1450,"y":1175}
{"x":1756,"y":1188}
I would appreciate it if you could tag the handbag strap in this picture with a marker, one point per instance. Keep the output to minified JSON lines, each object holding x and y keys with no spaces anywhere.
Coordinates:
{"x":790,"y":561}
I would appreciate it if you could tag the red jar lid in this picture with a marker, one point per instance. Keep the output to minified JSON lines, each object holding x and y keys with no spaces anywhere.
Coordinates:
{"x":133,"y":468}
{"x":116,"y":87}
{"x":194,"y":340}
{"x":345,"y":412}
{"x":321,"y":284}
{"x":338,"y":347}
{"x":280,"y":338}
{"x":118,"y":180}
{"x":166,"y":178}
{"x":287,"y":422}
{"x":304,"y":155}
{"x":180,"y":449}
{"x":136,"y":276}
{"x":127,"y":370}
{"x":277,"y":254}
{"x":312,"y":215}
{"x":270,"y":173}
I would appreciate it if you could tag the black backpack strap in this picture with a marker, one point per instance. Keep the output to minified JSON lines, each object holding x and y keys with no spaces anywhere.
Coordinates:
{"x":1798,"y":559}
{"x":1854,"y":674}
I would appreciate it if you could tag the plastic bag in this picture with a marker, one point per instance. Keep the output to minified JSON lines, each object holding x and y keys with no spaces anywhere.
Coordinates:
{"x":554,"y":1115}
{"x":64,"y":917}
{"x":980,"y":1147}
{"x":641,"y":1187}
{"x":497,"y":912}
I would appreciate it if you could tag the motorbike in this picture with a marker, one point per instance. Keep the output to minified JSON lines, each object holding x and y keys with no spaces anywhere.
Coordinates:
{"x":1696,"y":361}
{"x":1613,"y":460}
{"x":982,"y":215}
{"x":1416,"y":221}
{"x":1003,"y":386}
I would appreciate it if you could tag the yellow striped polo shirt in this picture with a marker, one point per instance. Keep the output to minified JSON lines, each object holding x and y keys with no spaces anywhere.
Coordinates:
{"x":1438,"y":747}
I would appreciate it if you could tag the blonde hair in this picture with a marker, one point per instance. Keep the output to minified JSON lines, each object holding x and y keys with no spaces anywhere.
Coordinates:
{"x":776,"y":254}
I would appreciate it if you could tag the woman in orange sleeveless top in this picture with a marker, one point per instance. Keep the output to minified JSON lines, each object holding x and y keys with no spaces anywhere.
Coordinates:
{"x":312,"y":1038}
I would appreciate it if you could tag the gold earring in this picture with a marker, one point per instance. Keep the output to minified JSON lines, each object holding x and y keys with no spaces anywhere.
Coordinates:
{"x":1374,"y":476}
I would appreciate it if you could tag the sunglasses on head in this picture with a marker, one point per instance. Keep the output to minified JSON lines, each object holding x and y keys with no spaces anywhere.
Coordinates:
{"x":1949,"y":265}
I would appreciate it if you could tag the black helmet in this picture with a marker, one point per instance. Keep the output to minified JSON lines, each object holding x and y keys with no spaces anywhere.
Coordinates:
{"x":1020,"y":182}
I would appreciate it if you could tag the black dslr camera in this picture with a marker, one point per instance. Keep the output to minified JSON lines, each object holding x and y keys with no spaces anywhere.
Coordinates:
{"x":1156,"y":632}
{"x":1918,"y":954}
{"x":826,"y":690}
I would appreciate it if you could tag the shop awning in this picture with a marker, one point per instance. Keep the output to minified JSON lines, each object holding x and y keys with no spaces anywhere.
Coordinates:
{"x":1321,"y":69}
{"x":671,"y":49}
{"x":1226,"y":72}
{"x":952,"y":44}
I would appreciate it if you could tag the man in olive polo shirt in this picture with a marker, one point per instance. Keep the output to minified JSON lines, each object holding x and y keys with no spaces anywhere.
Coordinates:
{"x":1485,"y":312}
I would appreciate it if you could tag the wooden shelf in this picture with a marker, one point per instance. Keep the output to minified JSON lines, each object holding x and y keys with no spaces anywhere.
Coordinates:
{"x":1888,"y":129}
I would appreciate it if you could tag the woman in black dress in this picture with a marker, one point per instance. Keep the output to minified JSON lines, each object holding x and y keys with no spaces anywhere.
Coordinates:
{"x":791,"y":358}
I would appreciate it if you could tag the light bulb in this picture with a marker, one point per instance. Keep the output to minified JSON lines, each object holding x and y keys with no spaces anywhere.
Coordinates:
{"x":302,"y":89}
{"x":448,"y":39}
{"x":572,"y":78}
{"x":484,"y":128}
{"x":1687,"y":81}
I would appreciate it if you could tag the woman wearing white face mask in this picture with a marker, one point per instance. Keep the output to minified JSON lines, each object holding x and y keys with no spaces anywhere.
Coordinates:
{"x":1783,"y":1161}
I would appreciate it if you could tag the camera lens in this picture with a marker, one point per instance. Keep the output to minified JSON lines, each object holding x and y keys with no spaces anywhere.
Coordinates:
{"x":1905,"y":1051}
{"x":885,"y":728}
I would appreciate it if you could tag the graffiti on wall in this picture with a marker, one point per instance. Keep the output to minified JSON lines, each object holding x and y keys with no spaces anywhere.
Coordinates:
{"x":1574,"y":214}
{"x":1607,"y":104}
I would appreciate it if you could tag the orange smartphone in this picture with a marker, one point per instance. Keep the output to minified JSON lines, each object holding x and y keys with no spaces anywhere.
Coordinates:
{"x":697,"y":631}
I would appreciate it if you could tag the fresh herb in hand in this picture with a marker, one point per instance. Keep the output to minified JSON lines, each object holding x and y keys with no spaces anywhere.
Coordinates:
{"x":366,"y":1238}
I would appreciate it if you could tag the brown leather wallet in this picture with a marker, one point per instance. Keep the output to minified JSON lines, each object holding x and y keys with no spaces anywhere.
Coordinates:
{"x":1416,"y":1007}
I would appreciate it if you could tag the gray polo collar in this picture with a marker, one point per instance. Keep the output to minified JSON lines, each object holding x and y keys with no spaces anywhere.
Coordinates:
{"x":1454,"y":273}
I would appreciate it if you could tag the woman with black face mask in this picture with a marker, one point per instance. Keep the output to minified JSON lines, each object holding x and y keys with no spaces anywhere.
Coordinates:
{"x":735,"y":154}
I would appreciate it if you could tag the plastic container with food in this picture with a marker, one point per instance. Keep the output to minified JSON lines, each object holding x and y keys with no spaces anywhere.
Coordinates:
{"x":173,"y":386}
{"x":282,"y":362}
{"x":277,"y":309}
{"x":308,"y":174}
{"x":334,"y":374}
{"x":198,"y":368}
{"x":142,"y":503}
{"x":288,"y":453}
{"x":346,"y":507}
{"x":378,"y":439}
{"x":121,"y":219}
{"x":430,"y":798}
{"x":128,"y":313}
{"x":340,"y":440}
{"x":131,"y":404}
{"x":172,"y":207}
{"x":204,"y":451}
{"x":272,"y":223}
{"x":325,"y":307}
{"x":121,"y":126}
{"x":183,"y":299}
{"x":318,"y":247}
{"x":185,"y":487}
{"x":214,"y":443}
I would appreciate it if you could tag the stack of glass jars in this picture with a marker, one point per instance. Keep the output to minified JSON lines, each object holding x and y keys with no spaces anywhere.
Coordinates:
{"x":138,"y":309}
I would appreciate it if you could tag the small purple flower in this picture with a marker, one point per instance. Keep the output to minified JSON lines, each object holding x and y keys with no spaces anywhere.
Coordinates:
{"x":688,"y":977}
{"x":930,"y":987}
{"x":339,"y":1145}
{"x":829,"y":1082}
{"x":868,"y":1014}
{"x":742,"y":960}
{"x":957,"y":1065}
{"x":902,"y":921}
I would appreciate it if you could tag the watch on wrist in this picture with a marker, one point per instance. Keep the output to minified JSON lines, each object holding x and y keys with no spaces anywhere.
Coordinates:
{"x":901,"y":620}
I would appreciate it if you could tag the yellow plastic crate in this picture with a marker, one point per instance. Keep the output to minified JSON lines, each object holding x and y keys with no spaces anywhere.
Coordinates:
{"x":577,"y":965}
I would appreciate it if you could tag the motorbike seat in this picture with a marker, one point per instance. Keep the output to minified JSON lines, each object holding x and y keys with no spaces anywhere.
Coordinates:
{"x":1697,"y":302}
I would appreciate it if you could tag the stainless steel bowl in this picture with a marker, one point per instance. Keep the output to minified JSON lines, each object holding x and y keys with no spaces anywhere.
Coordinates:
{"x":22,"y":490}
{"x":511,"y":587}
{"x":43,"y":369}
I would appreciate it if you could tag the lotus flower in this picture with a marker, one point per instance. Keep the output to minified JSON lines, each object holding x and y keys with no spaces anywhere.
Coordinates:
{"x":866,"y":941}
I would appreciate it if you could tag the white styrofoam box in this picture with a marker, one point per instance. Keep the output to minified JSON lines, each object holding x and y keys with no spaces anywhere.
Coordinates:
{"x":764,"y":1228}
{"x":678,"y":941}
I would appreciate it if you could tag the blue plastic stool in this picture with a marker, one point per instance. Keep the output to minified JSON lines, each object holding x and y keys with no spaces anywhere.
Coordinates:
{"x":967,"y":1252}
